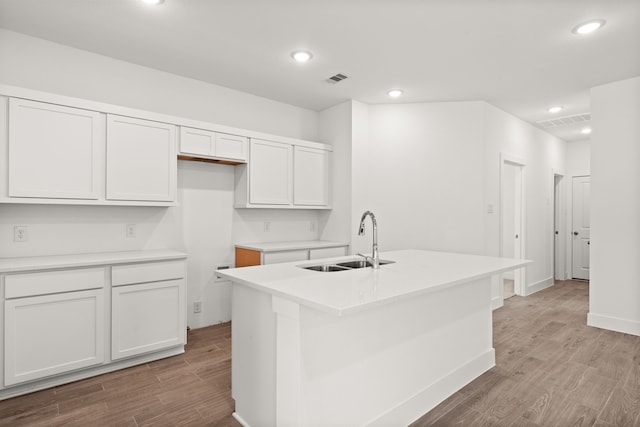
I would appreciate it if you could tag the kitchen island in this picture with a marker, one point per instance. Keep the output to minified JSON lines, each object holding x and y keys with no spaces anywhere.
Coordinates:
{"x":359,"y":347}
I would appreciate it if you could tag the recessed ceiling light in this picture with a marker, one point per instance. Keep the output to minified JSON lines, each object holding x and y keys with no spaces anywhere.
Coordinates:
{"x":585,"y":131}
{"x":589,"y":26}
{"x":394,"y":93}
{"x":153,"y":1}
{"x":301,"y":56}
{"x":555,"y":109}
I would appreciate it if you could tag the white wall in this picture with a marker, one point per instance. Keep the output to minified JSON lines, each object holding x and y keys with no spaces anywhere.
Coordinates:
{"x":543,"y":155}
{"x":336,"y":126}
{"x":579,"y":158}
{"x":205,"y":224}
{"x":614,"y":289}
{"x":430,"y":171}
{"x":425,"y":180}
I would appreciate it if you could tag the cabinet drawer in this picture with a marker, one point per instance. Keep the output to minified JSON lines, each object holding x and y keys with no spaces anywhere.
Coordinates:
{"x":147,"y":272}
{"x":51,"y":282}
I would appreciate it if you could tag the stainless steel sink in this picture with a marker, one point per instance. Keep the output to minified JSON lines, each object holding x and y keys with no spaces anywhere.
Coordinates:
{"x":326,"y":268}
{"x":344,"y":266}
{"x":361,"y":263}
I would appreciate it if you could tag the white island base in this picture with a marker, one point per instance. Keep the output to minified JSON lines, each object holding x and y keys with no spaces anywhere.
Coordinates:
{"x":385,"y":362}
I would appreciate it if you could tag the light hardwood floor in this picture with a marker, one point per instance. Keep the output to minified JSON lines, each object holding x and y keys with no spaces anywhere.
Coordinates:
{"x":551,"y":370}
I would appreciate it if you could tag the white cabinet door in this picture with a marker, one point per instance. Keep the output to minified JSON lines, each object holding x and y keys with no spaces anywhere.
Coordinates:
{"x":54,"y":151}
{"x":52,"y":334}
{"x":231,"y":146}
{"x":311,"y":177}
{"x":209,"y":144}
{"x":197,"y":141}
{"x":270,"y":173}
{"x":147,"y":317}
{"x":141,"y":160}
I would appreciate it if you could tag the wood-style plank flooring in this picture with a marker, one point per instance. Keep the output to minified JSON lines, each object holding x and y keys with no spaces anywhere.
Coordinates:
{"x":551,"y":370}
{"x":192,"y":389}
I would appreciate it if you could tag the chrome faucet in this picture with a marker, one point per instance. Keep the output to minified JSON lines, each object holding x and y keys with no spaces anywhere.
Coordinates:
{"x":375,"y":259}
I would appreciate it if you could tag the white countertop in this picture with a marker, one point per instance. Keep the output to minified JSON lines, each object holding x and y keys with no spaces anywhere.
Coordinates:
{"x":414,"y":272}
{"x":291,"y":246}
{"x":8,"y":265}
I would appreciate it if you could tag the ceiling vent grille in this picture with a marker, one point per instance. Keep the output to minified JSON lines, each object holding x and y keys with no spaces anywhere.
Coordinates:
{"x":563,"y":121}
{"x":337,"y":78}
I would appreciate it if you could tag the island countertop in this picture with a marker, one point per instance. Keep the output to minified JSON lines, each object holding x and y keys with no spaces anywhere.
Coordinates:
{"x":412,"y":273}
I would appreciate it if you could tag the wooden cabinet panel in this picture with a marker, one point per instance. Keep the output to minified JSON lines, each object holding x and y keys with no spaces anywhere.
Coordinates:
{"x":54,"y":151}
{"x":270,"y":173}
{"x":147,"y":317}
{"x":141,"y":160}
{"x":311,"y":177}
{"x":52,"y":334}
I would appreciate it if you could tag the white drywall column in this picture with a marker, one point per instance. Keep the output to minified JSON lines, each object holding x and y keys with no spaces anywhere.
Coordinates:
{"x":615,"y":207}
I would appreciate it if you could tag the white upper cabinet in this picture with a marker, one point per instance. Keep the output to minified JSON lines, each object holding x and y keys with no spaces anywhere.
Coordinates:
{"x":270,"y":173}
{"x":141,"y":160}
{"x":212,"y":145}
{"x":54,"y":151}
{"x":311,"y":177}
{"x":282,"y":175}
{"x":231,"y":146}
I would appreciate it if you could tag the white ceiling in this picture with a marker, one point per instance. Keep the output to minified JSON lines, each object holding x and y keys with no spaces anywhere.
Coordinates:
{"x":519,"y":55}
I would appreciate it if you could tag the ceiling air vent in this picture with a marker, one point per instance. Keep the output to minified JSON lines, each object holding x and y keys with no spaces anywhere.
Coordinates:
{"x":562,"y":121}
{"x":337,"y":78}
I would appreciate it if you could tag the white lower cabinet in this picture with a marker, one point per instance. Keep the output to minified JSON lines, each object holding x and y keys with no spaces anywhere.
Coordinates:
{"x":59,"y":324}
{"x":51,"y":334}
{"x":147,"y":317}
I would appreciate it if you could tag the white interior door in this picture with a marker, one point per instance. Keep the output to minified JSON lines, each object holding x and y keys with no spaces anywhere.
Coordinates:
{"x":581,"y":225}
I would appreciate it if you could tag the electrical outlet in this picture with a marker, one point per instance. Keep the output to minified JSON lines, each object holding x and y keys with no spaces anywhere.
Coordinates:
{"x":20,"y":233}
{"x":131,"y":231}
{"x":197,"y":307}
{"x":267,"y":226}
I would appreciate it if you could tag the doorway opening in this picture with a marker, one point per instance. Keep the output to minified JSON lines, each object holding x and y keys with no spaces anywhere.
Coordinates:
{"x":512,"y":222}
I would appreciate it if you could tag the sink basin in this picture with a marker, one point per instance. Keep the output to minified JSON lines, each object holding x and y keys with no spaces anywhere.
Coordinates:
{"x":326,"y":268}
{"x":361,"y":263}
{"x":343,"y":266}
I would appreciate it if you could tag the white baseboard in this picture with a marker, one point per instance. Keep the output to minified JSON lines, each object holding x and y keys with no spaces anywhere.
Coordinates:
{"x":617,"y":324}
{"x":431,"y":396}
{"x":239,"y":419}
{"x":538,"y":286}
{"x":496,"y":302}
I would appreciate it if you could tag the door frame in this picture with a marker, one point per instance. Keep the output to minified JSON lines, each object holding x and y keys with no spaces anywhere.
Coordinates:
{"x":519,"y":274}
{"x":559,"y":222}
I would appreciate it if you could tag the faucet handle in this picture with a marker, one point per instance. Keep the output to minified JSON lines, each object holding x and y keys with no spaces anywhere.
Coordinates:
{"x":366,"y":257}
